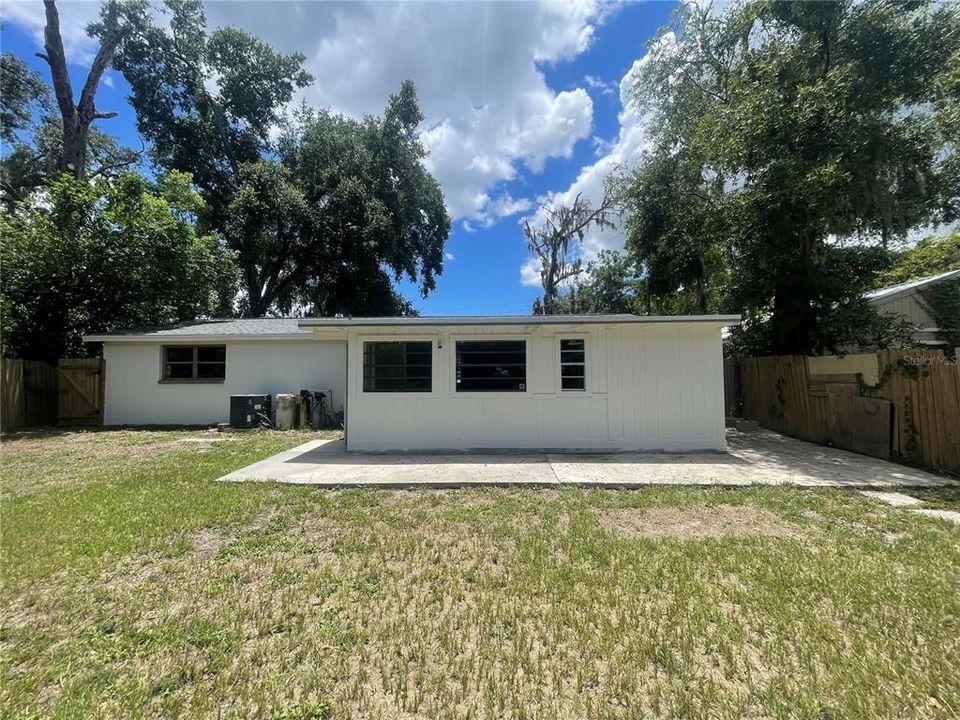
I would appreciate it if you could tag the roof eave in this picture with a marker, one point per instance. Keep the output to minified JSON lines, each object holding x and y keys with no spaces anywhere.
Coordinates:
{"x":881,"y":295}
{"x":198,"y":338}
{"x":332,"y":323}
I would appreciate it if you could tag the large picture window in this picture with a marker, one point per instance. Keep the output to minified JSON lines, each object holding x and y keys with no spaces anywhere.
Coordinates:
{"x":397,"y":366}
{"x":573,"y":364}
{"x":491,"y":366}
{"x":194,"y":363}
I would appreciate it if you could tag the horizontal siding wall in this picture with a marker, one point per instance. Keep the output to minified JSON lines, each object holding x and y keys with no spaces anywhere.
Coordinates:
{"x":650,"y":387}
{"x":134,"y":395}
{"x":909,"y":307}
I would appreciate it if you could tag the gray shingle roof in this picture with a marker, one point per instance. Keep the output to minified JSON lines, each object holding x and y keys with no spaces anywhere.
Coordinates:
{"x":295,"y":328}
{"x":207,"y":328}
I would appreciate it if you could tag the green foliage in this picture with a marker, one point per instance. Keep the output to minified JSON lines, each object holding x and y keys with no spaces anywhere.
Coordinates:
{"x":610,"y":285}
{"x":346,"y":199}
{"x":205,"y":102}
{"x":842,"y":318}
{"x":22,"y":91}
{"x":34,"y":135}
{"x":99,"y":256}
{"x":931,"y":256}
{"x":674,"y":229}
{"x":789,"y":137}
{"x":323,"y":220}
{"x":32,"y":163}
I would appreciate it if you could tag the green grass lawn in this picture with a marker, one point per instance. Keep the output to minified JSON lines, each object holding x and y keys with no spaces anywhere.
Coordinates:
{"x":134,"y":586}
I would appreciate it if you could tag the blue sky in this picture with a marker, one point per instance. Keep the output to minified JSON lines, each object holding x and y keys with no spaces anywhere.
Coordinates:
{"x":523,"y":104}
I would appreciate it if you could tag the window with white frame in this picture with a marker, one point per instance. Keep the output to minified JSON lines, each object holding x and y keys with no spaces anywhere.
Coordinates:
{"x":392,"y":366}
{"x":573,"y":364}
{"x":491,"y":366}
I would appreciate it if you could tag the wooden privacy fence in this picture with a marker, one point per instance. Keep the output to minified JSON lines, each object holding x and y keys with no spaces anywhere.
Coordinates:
{"x":899,"y":404}
{"x":80,"y":382}
{"x":37,"y":393}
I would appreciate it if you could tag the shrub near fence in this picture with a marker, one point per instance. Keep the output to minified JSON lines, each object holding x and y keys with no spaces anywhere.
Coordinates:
{"x":911,"y":413}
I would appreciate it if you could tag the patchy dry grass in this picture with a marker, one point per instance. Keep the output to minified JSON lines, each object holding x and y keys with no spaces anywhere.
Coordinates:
{"x":52,"y":458}
{"x":695,"y":524}
{"x":160,"y":594}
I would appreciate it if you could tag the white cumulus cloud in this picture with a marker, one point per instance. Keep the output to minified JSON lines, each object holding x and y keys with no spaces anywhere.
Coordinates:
{"x":489,"y":112}
{"x":623,"y":152}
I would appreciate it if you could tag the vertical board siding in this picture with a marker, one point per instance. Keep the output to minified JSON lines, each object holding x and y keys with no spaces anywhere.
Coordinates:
{"x":650,"y":388}
{"x":12,"y":403}
{"x":80,"y":392}
{"x":40,"y":392}
{"x":32,"y":393}
{"x":922,"y":386}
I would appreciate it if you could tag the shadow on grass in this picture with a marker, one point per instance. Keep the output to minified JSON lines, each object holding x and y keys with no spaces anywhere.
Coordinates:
{"x":947,"y":498}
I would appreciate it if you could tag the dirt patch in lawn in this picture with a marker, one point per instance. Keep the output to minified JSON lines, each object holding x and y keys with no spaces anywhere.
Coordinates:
{"x":695,"y":523}
{"x":207,"y":542}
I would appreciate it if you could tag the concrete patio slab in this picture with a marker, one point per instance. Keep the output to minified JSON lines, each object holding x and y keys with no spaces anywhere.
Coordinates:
{"x":762,"y":457}
{"x":892,"y":498}
{"x":325,"y":463}
{"x":951,"y":515}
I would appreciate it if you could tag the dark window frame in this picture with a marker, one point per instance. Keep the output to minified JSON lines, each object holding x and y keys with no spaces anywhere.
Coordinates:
{"x":568,"y":363}
{"x":194,"y":364}
{"x":412,"y":383}
{"x":497,"y":386}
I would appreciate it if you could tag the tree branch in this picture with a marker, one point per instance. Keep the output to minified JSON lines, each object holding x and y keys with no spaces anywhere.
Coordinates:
{"x":57,"y":60}
{"x":100,"y":62}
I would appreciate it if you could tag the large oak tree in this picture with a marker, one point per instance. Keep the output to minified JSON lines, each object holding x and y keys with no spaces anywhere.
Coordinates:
{"x":793,"y":143}
{"x":347,"y":209}
{"x":324,"y":220}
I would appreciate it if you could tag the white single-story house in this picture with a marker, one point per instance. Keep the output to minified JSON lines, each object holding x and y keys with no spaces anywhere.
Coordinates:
{"x":906,"y":299}
{"x":583,"y":382}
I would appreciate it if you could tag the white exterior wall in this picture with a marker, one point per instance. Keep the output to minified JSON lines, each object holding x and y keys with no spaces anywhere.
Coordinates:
{"x":656,"y":386}
{"x":134,"y":394}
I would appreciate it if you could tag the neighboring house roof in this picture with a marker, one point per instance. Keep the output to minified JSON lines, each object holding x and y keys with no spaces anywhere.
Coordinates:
{"x":894,"y":291}
{"x":298,"y":328}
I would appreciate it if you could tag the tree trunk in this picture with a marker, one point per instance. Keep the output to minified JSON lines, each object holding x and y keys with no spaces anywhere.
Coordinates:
{"x":73,"y":159}
{"x":701,"y":294}
{"x":257,"y":304}
{"x":77,"y":118}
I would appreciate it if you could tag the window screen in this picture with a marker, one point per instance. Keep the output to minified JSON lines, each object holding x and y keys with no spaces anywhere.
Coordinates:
{"x":195,"y":362}
{"x":573,"y":375}
{"x":397,"y":366}
{"x":491,"y":366}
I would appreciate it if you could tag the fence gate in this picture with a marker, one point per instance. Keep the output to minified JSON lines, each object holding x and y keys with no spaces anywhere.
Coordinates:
{"x":80,"y":382}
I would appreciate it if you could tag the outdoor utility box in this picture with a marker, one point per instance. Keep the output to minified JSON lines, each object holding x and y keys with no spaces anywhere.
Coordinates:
{"x":249,"y":411}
